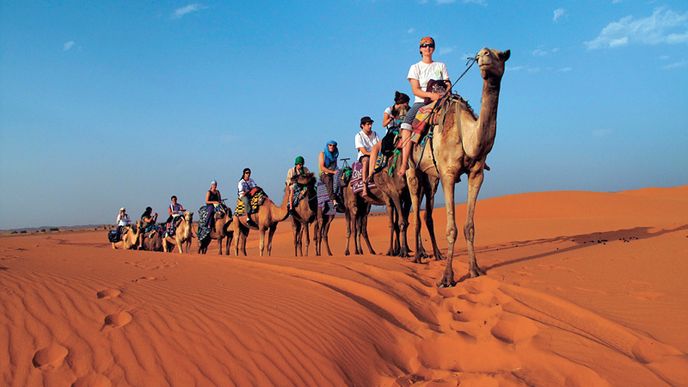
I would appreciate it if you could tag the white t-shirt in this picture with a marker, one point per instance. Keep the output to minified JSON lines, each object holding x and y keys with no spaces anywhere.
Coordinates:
{"x":424,"y":72}
{"x":362,"y":140}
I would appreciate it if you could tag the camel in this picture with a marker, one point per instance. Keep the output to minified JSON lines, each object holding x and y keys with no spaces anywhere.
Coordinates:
{"x":182,"y":236}
{"x":129,"y":239}
{"x":321,"y":230}
{"x":220,"y":231}
{"x":356,"y":212}
{"x":267,"y":218}
{"x":460,"y":146}
{"x":152,"y":241}
{"x":304,"y":213}
{"x":398,"y":205}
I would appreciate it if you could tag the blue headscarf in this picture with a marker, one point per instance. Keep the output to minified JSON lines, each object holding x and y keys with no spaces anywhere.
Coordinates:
{"x":331,"y":157}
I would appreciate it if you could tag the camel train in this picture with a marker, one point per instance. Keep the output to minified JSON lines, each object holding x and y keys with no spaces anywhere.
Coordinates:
{"x":456,"y":142}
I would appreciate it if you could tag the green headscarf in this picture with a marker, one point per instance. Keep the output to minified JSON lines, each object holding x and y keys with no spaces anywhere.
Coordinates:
{"x":298,"y":160}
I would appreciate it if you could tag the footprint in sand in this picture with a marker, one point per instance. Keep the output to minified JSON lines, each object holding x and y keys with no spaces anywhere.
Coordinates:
{"x":107,"y":294}
{"x":118,"y":320}
{"x":50,"y":357}
{"x":146,"y":278}
{"x":514,"y":329}
{"x":92,"y":380}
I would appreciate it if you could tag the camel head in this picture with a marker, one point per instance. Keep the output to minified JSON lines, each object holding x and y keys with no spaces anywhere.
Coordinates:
{"x":307,"y":179}
{"x":188,"y":217}
{"x":491,"y":63}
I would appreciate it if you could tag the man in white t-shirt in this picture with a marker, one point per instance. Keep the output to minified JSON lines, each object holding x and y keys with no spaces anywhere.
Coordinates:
{"x":419,"y":75}
{"x":364,"y":141}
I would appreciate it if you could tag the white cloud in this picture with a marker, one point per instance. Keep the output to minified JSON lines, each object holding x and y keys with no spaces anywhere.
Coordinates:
{"x":545,"y":52}
{"x":477,"y":2}
{"x":187,"y":9}
{"x":659,"y":28}
{"x":558,"y":13}
{"x":565,"y":69}
{"x":446,"y":50}
{"x":676,"y":65}
{"x":68,"y":45}
{"x":664,"y":57}
{"x":411,"y":30}
{"x":528,"y":69}
{"x":616,"y":1}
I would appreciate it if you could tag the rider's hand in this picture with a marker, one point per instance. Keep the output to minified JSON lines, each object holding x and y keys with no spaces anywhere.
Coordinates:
{"x":435,"y":96}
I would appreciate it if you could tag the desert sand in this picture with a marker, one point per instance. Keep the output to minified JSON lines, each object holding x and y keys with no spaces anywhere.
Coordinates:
{"x":582,"y":289}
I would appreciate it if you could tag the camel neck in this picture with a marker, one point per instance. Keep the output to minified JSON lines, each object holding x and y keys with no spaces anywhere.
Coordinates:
{"x":487,"y":122}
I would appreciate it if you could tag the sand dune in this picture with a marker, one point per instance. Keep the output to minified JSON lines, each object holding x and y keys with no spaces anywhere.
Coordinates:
{"x":583,"y":289}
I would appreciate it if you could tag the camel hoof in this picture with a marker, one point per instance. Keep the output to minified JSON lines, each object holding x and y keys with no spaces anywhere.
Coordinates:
{"x":439,"y":256}
{"x":477,"y":272}
{"x":446,"y":284}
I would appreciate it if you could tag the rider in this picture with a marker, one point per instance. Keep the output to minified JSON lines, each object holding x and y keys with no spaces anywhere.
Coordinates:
{"x":123,"y":218}
{"x":419,"y":75}
{"x":364,"y":140}
{"x":244,"y":188}
{"x":391,"y":119}
{"x":175,"y":209}
{"x":327,"y":161}
{"x":213,"y":199}
{"x":148,"y":219}
{"x":298,"y":170}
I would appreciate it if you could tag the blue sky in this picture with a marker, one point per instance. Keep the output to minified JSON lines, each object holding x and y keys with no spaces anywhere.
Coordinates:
{"x":108,"y":104}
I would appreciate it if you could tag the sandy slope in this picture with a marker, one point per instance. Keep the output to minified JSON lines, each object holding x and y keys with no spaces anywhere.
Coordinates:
{"x":583,"y":289}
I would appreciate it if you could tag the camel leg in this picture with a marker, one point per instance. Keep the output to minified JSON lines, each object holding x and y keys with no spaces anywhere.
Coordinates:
{"x":262,"y":241}
{"x":349,"y":222}
{"x":299,"y":238}
{"x":475,"y":181}
{"x":325,"y":233}
{"x":429,"y":223}
{"x":448,"y":187}
{"x":308,"y":237}
{"x":316,"y":232}
{"x":415,"y":192}
{"x":273,"y":228}
{"x":364,"y":232}
{"x":228,"y":244}
{"x":390,"y":224}
{"x":295,"y":231}
{"x":219,"y":244}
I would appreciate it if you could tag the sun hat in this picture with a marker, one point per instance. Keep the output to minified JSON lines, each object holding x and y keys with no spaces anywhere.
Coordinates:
{"x":426,"y":40}
{"x":366,"y":119}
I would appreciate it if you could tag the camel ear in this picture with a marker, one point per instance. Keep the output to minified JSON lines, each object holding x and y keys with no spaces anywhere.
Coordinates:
{"x":504,"y":55}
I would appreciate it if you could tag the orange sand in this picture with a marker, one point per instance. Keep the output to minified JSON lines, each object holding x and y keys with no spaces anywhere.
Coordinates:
{"x":583,"y":289}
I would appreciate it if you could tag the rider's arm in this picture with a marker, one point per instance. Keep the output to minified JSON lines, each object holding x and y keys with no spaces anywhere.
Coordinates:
{"x":415,"y":87}
{"x":169,"y":210}
{"x":386,"y":119}
{"x":321,"y":160}
{"x":207,"y":198}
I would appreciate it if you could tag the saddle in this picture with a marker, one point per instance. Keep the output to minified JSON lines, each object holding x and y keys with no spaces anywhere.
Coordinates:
{"x":114,"y":236}
{"x":257,"y":198}
{"x":172,"y":226}
{"x":356,"y":182}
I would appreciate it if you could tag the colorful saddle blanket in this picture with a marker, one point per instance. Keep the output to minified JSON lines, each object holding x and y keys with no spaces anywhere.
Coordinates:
{"x":357,"y":178}
{"x":425,"y":118}
{"x":114,"y":236}
{"x":256,"y":201}
{"x":203,"y":229}
{"x":323,"y":198}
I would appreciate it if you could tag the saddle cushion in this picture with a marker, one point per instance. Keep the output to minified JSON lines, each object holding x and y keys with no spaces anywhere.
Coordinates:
{"x":356,"y":182}
{"x":114,"y":235}
{"x":256,"y":201}
{"x":324,"y":197}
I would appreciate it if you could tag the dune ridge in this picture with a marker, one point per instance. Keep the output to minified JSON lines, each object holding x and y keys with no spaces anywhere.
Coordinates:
{"x":587,"y":297}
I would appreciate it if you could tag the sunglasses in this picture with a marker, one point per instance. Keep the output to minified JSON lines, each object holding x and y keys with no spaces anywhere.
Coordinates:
{"x":427,"y":45}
